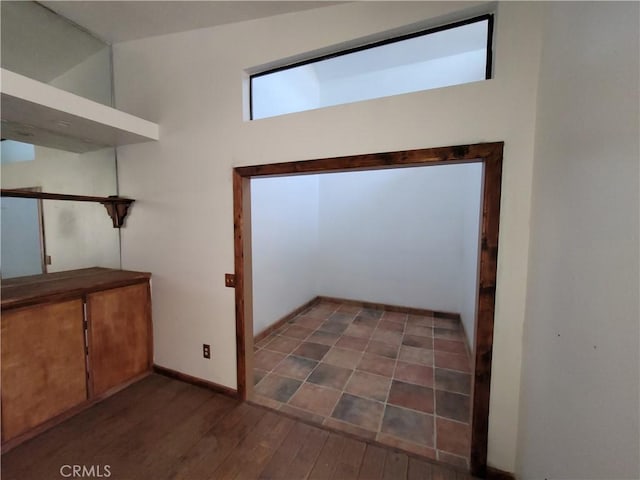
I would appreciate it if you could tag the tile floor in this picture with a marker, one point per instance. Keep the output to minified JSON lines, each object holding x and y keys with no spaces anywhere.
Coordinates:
{"x":402,"y":380}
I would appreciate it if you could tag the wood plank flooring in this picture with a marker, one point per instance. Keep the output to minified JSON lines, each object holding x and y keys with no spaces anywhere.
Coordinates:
{"x":163,"y":429}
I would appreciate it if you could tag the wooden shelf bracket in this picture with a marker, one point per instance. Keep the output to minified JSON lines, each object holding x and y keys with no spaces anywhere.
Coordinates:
{"x":117,"y":210}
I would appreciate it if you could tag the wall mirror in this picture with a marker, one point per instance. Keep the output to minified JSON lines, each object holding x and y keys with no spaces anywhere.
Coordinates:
{"x":43,"y":236}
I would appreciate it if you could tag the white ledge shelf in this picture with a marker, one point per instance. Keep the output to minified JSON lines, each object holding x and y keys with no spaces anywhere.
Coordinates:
{"x":34,"y":112}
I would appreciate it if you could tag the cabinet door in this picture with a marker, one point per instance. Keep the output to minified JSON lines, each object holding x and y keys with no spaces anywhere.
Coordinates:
{"x":119,"y":336}
{"x":43,"y":364}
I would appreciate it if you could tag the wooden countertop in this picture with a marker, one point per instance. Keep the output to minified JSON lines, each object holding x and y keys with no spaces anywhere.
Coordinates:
{"x":49,"y":287}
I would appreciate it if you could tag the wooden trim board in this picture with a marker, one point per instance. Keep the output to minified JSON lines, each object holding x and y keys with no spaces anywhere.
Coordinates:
{"x":183,"y":377}
{"x":496,"y":474}
{"x":394,"y":308}
{"x":490,"y":155}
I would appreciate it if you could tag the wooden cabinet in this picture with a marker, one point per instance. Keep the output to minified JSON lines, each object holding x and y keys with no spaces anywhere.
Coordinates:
{"x":68,"y":340}
{"x":119,"y":336}
{"x":43,"y":364}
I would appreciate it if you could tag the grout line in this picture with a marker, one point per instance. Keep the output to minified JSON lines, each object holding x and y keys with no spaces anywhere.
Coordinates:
{"x":393,"y":374}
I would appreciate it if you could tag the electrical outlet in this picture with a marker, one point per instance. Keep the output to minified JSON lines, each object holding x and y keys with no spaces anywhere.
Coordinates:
{"x":206,"y":351}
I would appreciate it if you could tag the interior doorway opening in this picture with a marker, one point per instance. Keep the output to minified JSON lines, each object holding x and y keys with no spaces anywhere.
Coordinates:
{"x":490,"y":157}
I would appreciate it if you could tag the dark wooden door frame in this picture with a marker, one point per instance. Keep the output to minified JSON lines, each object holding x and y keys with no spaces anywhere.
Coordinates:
{"x":490,"y":154}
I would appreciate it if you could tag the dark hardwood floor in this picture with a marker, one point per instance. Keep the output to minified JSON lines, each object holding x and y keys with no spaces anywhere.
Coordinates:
{"x":161,"y":428}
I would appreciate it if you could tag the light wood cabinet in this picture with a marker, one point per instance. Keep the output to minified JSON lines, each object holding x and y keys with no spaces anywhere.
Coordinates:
{"x":43,"y":364}
{"x":68,"y":340}
{"x":119,"y":336}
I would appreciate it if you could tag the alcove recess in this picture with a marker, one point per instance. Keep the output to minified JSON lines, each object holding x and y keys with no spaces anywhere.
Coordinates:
{"x":43,"y":115}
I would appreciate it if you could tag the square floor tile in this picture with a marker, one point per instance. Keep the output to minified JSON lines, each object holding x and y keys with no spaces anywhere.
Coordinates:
{"x":448,"y":334}
{"x":387,"y":336}
{"x":420,"y":320}
{"x":366,"y":321}
{"x":308,"y":322}
{"x":422,"y":356}
{"x":296,"y":331}
{"x":413,"y":373}
{"x":341,"y":317}
{"x":352,"y":343}
{"x":316,"y":399}
{"x":391,"y":326}
{"x":295,"y":367}
{"x":412,"y":396}
{"x":453,"y":381}
{"x":283,"y":344}
{"x":417,"y":341}
{"x":451,"y":346}
{"x":394,"y":317}
{"x":408,"y":425}
{"x":330,"y":376}
{"x":277,"y":388}
{"x":267,"y":360}
{"x":382,"y":349}
{"x":358,"y":411}
{"x":376,"y":364}
{"x":453,"y":405}
{"x":325,"y":338}
{"x":453,"y":437}
{"x":368,"y":385}
{"x":343,"y":357}
{"x":452,"y":361}
{"x":418,"y":330}
{"x":333,"y":327}
{"x":314,"y":351}
{"x":258,"y":375}
{"x":360,"y":331}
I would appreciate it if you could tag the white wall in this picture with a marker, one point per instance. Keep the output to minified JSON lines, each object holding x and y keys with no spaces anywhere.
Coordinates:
{"x":284,"y":236}
{"x":579,"y":414}
{"x":394,"y":236}
{"x":181,"y":227}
